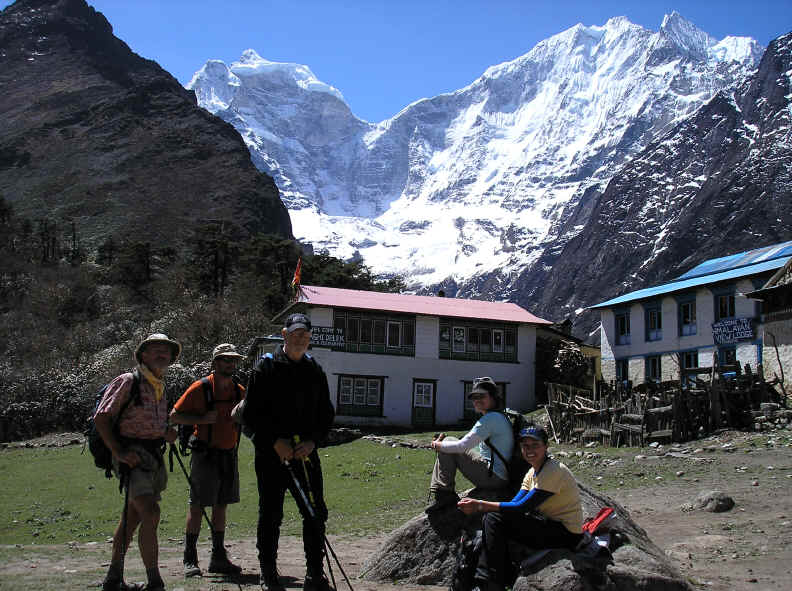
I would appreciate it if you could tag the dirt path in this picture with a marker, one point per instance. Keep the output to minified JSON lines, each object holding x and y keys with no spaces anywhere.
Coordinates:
{"x":743,"y":549}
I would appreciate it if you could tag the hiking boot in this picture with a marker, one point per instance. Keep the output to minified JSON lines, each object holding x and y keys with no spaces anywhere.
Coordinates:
{"x":314,"y":583}
{"x":191,"y":568}
{"x":220,"y":564}
{"x":269,"y":580}
{"x":443,"y":500}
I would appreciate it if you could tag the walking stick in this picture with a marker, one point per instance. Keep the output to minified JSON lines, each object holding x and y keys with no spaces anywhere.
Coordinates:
{"x":305,"y":462}
{"x":174,"y":451}
{"x":123,"y":470}
{"x":312,"y":513}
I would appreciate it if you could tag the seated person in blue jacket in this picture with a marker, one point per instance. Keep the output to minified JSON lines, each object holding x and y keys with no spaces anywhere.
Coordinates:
{"x":545,"y":513}
{"x":472,"y":455}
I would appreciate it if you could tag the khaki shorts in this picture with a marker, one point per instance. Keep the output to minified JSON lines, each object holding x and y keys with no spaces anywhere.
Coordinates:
{"x":215,"y":476}
{"x":149,"y":477}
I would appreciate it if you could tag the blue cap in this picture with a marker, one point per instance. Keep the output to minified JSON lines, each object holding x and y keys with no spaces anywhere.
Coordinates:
{"x":533,"y":432}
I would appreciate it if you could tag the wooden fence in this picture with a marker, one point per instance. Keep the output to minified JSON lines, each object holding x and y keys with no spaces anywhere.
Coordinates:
{"x":700,"y":402}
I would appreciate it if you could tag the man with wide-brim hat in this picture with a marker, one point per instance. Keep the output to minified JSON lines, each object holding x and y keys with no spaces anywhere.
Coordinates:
{"x":207,"y":406}
{"x":132,"y":419}
{"x":175,"y":346}
{"x":545,"y":513}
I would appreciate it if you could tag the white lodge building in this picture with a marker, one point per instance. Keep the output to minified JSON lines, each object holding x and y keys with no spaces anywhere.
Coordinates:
{"x":406,"y":360}
{"x":700,"y":313}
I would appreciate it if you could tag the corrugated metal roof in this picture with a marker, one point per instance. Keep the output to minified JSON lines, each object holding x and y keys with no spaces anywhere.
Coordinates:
{"x":679,"y":285}
{"x":741,"y":259}
{"x":413,"y":304}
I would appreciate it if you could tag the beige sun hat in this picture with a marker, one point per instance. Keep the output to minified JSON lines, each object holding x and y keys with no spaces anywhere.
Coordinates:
{"x":225,"y":350}
{"x":175,"y":346}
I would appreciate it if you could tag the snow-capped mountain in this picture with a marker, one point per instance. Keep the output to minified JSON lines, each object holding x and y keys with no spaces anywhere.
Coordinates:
{"x":475,"y":188}
{"x":720,"y":182}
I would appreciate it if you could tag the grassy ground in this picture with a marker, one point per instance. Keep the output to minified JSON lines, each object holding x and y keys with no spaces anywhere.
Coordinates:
{"x":56,"y":495}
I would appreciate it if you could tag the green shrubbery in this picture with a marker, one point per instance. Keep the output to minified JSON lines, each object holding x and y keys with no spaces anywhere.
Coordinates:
{"x":71,"y":315}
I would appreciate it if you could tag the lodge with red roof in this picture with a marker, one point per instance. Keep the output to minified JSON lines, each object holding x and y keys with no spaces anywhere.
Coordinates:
{"x":407,"y":360}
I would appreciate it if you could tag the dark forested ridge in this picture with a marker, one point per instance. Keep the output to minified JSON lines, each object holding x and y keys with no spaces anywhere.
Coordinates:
{"x":94,"y":134}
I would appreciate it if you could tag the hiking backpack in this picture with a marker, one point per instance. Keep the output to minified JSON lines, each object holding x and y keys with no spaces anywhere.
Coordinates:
{"x":103,"y":457}
{"x":188,"y":442}
{"x":516,"y":466}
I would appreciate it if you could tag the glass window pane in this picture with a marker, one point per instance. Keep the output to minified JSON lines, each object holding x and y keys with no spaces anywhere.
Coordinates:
{"x":373,"y":393}
{"x":345,"y":396}
{"x":360,"y":391}
{"x":365,"y":330}
{"x":353,"y":330}
{"x":394,"y":334}
{"x":459,"y":339}
{"x":497,"y":341}
{"x":408,"y":333}
{"x":472,"y":339}
{"x":379,"y":332}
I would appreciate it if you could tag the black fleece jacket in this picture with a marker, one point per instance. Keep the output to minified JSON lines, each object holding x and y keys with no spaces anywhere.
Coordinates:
{"x":287,"y":398}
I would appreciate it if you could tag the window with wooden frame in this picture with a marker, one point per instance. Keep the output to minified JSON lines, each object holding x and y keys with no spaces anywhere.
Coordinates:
{"x":622,"y":318}
{"x":477,"y":341}
{"x":687,"y":317}
{"x":366,"y":332}
{"x":654,"y":321}
{"x":360,"y":395}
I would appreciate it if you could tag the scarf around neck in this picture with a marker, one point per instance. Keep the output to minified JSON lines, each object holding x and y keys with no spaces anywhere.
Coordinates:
{"x":156,"y":383}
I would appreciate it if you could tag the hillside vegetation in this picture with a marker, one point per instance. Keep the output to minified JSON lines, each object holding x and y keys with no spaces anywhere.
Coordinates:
{"x":71,"y":316}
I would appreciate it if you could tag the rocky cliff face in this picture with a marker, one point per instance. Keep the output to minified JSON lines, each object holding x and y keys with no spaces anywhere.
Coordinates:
{"x":719,"y":183}
{"x":94,"y":133}
{"x":478,"y":190}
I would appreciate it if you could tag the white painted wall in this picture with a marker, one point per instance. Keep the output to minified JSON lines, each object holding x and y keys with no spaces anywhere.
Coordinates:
{"x":672,"y":342}
{"x":449,"y":374}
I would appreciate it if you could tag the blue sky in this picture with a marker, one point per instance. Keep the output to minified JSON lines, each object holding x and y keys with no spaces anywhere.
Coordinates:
{"x":384,"y":54}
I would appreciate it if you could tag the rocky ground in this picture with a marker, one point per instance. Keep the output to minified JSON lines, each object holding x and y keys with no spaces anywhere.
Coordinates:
{"x":744,"y":548}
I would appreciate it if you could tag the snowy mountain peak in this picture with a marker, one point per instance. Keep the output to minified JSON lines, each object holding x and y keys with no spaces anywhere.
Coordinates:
{"x":686,"y":35}
{"x":493,"y":176}
{"x":252,"y":64}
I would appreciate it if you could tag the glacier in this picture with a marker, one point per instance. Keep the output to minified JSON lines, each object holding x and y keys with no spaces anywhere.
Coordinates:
{"x":486,"y":179}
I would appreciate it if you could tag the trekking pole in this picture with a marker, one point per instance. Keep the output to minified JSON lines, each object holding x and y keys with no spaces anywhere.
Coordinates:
{"x":312,"y":513}
{"x":305,"y":462}
{"x":123,"y":472}
{"x":174,"y":451}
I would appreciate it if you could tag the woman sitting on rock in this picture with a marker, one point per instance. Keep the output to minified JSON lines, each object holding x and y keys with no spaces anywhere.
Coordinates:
{"x":545,"y":513}
{"x":471,"y":455}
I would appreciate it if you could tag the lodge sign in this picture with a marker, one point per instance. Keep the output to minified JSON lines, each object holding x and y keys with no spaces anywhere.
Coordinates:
{"x":327,"y":336}
{"x":732,"y":330}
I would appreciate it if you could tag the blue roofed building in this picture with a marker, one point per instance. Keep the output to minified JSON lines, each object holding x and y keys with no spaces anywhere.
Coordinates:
{"x":700,"y":315}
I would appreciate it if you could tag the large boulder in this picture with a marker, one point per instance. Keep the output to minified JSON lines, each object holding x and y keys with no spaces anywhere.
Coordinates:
{"x":424,"y":550}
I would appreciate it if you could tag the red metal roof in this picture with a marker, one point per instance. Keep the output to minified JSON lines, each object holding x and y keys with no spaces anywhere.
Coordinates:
{"x":413,"y":304}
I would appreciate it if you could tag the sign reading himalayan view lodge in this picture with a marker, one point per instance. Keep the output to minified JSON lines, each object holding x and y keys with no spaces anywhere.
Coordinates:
{"x":731,"y":330}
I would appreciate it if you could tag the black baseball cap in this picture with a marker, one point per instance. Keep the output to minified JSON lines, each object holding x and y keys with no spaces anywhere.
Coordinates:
{"x":297,"y":321}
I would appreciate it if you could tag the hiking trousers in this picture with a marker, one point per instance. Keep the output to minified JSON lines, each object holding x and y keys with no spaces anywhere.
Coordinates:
{"x":273,"y":480}
{"x":472,"y":464}
{"x":531,"y":529}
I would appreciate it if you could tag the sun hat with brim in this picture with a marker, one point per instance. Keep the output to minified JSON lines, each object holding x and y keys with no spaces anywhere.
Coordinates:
{"x":225,"y":350}
{"x":486,"y":386}
{"x":296,"y":322}
{"x":159,"y":338}
{"x":533,"y":432}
